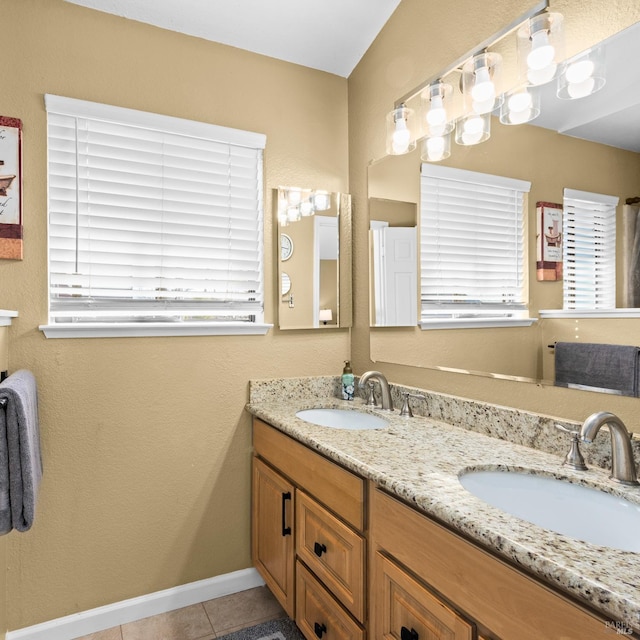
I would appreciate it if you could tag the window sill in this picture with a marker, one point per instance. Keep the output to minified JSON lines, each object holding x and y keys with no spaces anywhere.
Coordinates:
{"x":474,"y":323}
{"x":152,"y":329}
{"x":590,"y":313}
{"x":6,"y":316}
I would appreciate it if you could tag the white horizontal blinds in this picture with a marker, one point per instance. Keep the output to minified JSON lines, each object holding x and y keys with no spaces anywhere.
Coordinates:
{"x":589,"y":250}
{"x":152,"y":220}
{"x":471,"y":243}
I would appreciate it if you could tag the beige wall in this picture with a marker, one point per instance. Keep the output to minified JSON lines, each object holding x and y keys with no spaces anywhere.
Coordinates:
{"x":145,"y":442}
{"x":420,"y":39}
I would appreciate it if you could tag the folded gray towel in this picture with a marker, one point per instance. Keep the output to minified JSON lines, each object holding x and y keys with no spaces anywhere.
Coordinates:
{"x":20,"y":458}
{"x":605,"y":366}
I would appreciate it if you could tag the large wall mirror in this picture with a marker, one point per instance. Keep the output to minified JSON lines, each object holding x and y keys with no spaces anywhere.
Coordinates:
{"x":591,"y":144}
{"x":314,"y":258}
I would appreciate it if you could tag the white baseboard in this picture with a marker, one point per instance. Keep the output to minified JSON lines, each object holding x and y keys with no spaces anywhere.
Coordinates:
{"x":112,"y":615}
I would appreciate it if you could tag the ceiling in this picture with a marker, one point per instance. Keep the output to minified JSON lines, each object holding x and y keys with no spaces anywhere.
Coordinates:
{"x":329,"y":35}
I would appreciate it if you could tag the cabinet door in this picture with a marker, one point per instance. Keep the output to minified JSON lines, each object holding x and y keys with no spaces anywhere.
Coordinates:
{"x":272,"y":534}
{"x":404,"y":610}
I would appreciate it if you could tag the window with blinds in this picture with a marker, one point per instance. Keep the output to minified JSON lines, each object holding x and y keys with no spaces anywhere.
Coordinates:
{"x":589,"y":250}
{"x":472,"y":248}
{"x":152,"y":218}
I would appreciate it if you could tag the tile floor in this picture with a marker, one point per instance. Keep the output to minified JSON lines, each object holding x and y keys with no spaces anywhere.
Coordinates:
{"x":203,"y":621}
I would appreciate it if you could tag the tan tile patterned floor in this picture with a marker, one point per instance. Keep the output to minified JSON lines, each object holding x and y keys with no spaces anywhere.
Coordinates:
{"x":204,"y":621}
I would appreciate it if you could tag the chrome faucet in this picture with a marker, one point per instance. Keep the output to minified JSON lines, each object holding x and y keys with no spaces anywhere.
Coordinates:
{"x":387,"y":403}
{"x":623,"y":467}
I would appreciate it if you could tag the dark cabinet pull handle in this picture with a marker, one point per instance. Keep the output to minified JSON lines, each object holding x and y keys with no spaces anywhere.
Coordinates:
{"x":319,"y":549}
{"x":286,"y":531}
{"x":319,"y":629}
{"x":405,"y":634}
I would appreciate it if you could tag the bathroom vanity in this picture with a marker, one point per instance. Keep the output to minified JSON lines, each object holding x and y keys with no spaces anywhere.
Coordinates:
{"x":369,"y":534}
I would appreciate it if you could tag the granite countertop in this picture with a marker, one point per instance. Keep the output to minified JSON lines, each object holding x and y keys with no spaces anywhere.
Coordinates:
{"x":419,"y":459}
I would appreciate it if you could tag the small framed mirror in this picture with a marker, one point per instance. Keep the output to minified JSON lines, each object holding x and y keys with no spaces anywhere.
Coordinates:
{"x":317,"y":224}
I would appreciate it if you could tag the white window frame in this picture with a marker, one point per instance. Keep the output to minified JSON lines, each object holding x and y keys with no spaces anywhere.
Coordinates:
{"x":447,"y":314}
{"x":191,"y":319}
{"x":588,"y":251}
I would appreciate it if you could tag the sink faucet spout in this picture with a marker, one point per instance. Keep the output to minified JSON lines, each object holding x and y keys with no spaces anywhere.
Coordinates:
{"x":387,"y":403}
{"x":623,"y":467}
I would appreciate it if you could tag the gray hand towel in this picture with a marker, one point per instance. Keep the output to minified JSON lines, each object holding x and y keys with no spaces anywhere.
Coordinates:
{"x":20,"y":458}
{"x":605,"y":366}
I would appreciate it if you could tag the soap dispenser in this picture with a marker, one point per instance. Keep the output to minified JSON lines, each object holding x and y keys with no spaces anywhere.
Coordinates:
{"x":347,"y":381}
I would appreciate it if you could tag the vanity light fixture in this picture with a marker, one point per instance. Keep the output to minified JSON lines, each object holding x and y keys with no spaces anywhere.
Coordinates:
{"x":582,"y":75}
{"x":400,"y":129}
{"x":520,"y":105}
{"x":295,"y":203}
{"x":540,"y":43}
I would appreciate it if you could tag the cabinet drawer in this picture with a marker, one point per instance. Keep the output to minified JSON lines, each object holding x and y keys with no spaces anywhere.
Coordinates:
{"x":512,"y":605}
{"x":333,"y":551}
{"x":405,"y":610}
{"x":318,"y":614}
{"x":337,"y":488}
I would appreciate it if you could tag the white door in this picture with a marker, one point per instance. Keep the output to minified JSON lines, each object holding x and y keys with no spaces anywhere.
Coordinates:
{"x":396,"y":276}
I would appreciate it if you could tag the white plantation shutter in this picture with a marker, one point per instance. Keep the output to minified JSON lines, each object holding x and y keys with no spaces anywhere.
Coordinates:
{"x":472,"y":250}
{"x":152,"y":217}
{"x":589,"y":250}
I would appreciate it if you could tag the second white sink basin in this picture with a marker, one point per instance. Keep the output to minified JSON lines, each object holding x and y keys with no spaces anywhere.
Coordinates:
{"x":573,"y":510}
{"x":342,"y":418}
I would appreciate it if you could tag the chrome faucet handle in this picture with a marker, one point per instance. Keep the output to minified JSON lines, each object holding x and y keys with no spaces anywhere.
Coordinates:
{"x":371,"y":398}
{"x":574,"y":458}
{"x":406,"y":408}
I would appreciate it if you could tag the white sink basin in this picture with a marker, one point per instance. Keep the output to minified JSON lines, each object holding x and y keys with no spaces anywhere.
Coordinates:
{"x":570,"y":509}
{"x":342,"y":418}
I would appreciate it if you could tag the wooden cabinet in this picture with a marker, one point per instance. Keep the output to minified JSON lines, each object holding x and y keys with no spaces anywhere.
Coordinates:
{"x":348,"y":561}
{"x":307,"y":535}
{"x":272,"y":542}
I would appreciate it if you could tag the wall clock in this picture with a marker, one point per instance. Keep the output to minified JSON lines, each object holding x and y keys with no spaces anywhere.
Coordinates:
{"x":286,"y":247}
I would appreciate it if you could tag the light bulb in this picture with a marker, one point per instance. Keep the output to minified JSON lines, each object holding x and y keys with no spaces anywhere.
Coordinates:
{"x":436,"y":116}
{"x":483,"y":90}
{"x":322,"y":201}
{"x":542,"y":51}
{"x":520,"y":117}
{"x":579,"y":71}
{"x":306,"y":208}
{"x":293,"y":214}
{"x":435,"y":148}
{"x":541,"y":76}
{"x":294,"y":196}
{"x":581,"y":89}
{"x":472,"y":130}
{"x":520,"y":101}
{"x":401,"y":136}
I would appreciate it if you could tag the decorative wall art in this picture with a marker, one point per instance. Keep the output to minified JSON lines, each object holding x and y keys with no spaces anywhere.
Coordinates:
{"x":10,"y":188}
{"x":549,"y":241}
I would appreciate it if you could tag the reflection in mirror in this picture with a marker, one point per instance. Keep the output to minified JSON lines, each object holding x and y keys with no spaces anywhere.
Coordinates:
{"x":599,"y":155}
{"x":393,"y":263}
{"x":312,"y":227}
